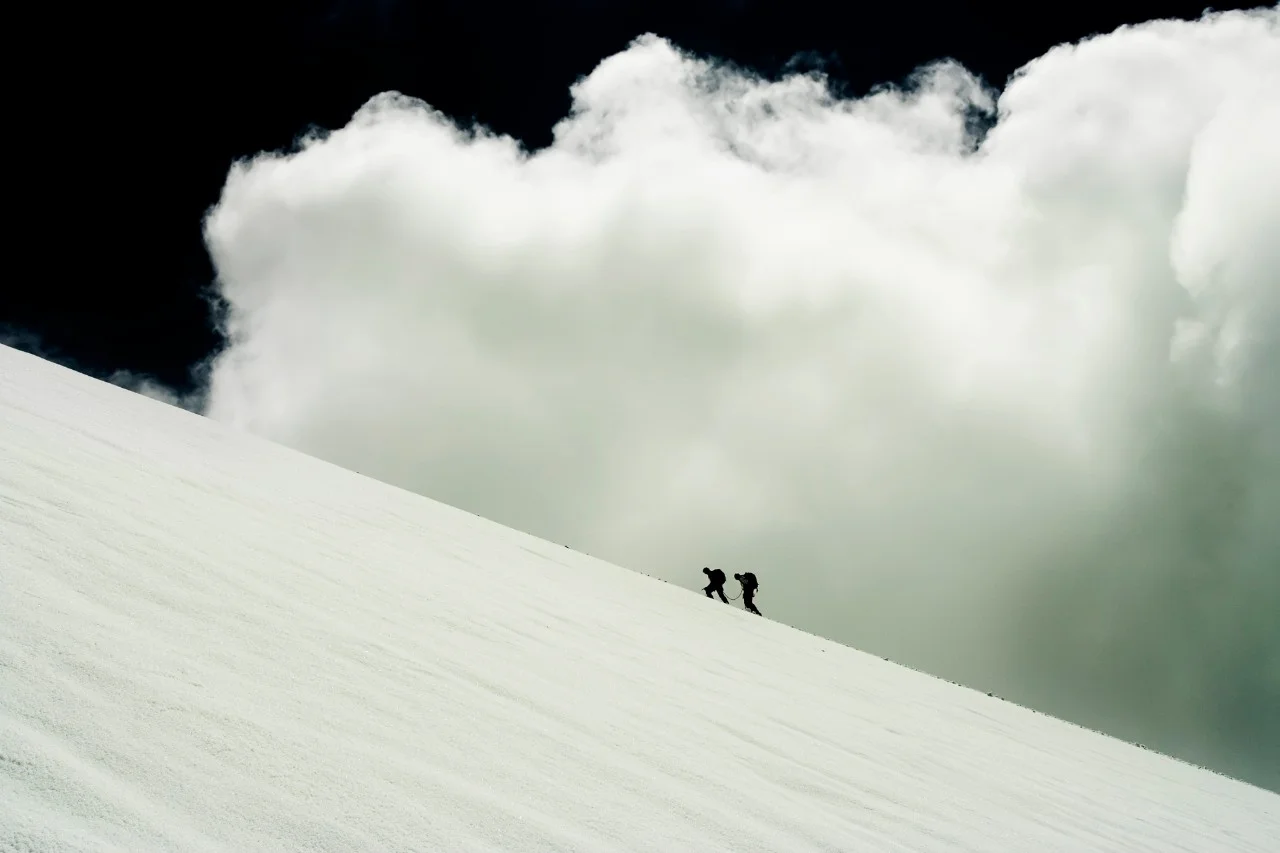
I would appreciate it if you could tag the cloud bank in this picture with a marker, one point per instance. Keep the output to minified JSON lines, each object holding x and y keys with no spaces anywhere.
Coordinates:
{"x":985,"y":382}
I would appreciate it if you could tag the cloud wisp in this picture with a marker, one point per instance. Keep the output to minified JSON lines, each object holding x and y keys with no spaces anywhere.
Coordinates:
{"x":982,"y":381}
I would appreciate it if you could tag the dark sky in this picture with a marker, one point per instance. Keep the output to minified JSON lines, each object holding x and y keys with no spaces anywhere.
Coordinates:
{"x":127,"y":121}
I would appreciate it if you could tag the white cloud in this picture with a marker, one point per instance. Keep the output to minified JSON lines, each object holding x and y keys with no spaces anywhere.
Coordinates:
{"x":988,"y":412}
{"x":148,"y":386}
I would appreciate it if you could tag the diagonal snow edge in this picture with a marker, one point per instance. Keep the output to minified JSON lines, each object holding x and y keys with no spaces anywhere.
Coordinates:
{"x":211,"y":642}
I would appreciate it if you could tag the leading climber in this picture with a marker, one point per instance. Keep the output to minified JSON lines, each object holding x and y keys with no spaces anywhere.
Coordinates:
{"x":717,"y":583}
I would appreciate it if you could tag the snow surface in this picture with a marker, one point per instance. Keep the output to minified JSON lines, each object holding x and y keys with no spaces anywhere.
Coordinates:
{"x":210,"y":642}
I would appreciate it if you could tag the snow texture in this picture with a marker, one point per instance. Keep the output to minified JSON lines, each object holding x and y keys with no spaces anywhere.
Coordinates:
{"x":210,"y":642}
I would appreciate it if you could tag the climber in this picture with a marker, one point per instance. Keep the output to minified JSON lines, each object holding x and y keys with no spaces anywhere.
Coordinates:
{"x":717,"y":583}
{"x":749,"y":587}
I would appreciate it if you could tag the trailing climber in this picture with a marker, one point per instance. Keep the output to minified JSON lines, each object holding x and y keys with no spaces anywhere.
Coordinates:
{"x":749,"y":587}
{"x":717,"y":583}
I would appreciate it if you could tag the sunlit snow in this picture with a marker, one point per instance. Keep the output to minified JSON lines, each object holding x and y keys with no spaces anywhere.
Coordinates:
{"x":210,"y":642}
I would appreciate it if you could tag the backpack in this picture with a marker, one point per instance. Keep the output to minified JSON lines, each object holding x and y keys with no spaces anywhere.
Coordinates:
{"x":749,"y":581}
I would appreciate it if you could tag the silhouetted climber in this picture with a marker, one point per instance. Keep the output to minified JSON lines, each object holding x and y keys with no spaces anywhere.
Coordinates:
{"x":749,"y":587}
{"x":717,"y":583}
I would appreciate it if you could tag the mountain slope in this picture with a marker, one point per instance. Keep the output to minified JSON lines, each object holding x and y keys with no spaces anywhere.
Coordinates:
{"x":209,"y":642}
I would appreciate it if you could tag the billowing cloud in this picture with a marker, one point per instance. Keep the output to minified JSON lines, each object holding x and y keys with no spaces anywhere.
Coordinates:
{"x":982,"y":381}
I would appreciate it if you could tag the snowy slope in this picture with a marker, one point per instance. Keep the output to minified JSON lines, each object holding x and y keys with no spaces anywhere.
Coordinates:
{"x":208,"y":642}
